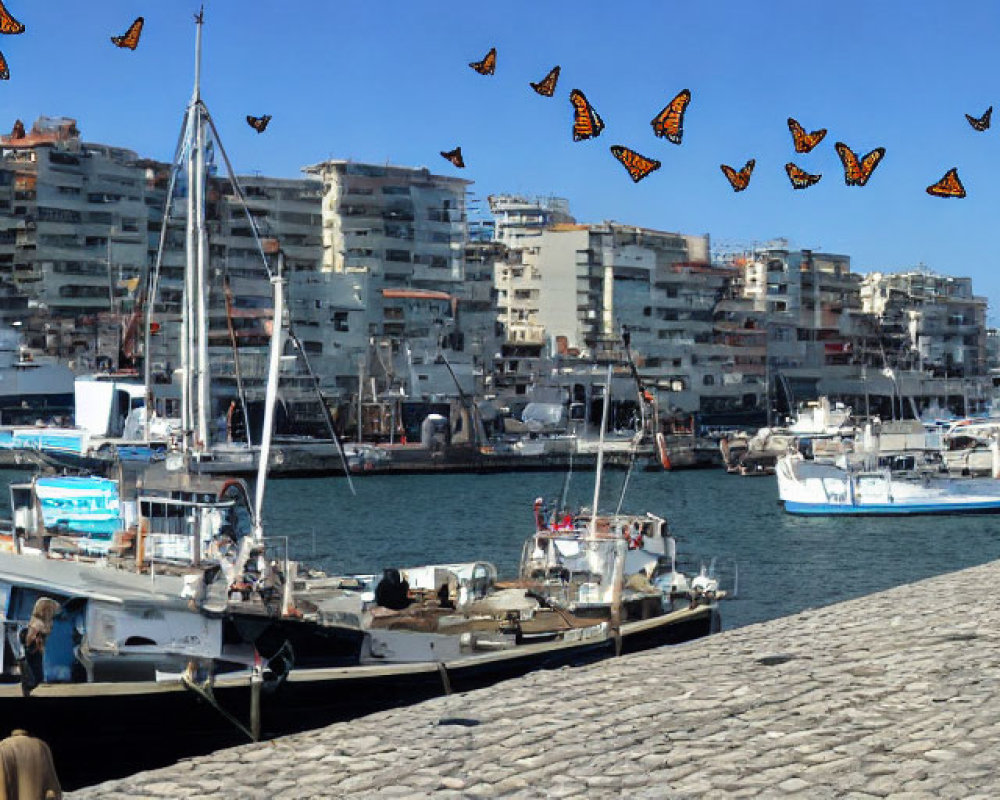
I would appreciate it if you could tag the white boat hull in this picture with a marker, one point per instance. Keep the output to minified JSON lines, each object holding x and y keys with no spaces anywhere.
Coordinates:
{"x":805,"y":487}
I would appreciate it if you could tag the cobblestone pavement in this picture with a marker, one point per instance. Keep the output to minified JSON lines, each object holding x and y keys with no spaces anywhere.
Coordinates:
{"x":894,"y":695}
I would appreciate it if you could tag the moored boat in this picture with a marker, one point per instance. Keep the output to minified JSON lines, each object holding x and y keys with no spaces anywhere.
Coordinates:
{"x":808,"y":487}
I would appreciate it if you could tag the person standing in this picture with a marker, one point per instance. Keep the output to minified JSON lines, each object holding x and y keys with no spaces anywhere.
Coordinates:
{"x":27,"y":771}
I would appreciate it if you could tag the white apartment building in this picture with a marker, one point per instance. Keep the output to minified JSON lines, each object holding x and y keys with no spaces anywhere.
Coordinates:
{"x":940,"y":318}
{"x":394,"y":241}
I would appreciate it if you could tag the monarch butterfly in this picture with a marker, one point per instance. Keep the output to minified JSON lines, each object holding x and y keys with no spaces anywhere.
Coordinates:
{"x":983,"y":122}
{"x":547,"y":85}
{"x":587,"y":123}
{"x":131,"y":37}
{"x":670,"y":121}
{"x":638,"y":166}
{"x":857,"y":173}
{"x":739,"y":180}
{"x":258,"y":123}
{"x":8,"y":24}
{"x":799,"y":177}
{"x":804,"y":142}
{"x":488,"y":65}
{"x":948,"y":186}
{"x":455,"y":157}
{"x":5,"y":76}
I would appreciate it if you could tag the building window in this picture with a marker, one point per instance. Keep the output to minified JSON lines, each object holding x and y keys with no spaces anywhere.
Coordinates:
{"x":397,"y":255}
{"x":708,"y":380}
{"x":340,"y":321}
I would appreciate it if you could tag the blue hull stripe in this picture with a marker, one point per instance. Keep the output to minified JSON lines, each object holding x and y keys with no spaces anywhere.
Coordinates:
{"x":894,"y":509}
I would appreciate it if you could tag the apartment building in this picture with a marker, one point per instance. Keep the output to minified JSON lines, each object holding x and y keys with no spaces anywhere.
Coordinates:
{"x":397,"y":236}
{"x":72,"y":233}
{"x":941,"y":323}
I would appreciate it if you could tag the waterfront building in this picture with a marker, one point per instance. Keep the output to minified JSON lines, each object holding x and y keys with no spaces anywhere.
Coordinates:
{"x":398,"y":235}
{"x":72,"y":233}
{"x":942,"y":323}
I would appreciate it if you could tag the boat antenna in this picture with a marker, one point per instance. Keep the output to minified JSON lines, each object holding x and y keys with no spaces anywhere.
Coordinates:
{"x":600,"y":453}
{"x":564,"y":496}
{"x":626,"y":340}
{"x":628,"y":474}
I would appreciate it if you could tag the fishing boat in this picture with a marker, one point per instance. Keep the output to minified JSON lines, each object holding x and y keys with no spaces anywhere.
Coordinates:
{"x":814,"y":488}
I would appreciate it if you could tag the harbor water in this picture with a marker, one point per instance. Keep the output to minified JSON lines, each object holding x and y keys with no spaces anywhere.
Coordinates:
{"x":785,"y":563}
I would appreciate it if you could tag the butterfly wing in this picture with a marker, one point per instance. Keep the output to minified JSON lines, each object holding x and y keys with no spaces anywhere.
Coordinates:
{"x":949,"y":186}
{"x":669,"y":123}
{"x":547,"y":85}
{"x":981,"y":123}
{"x":7,"y":23}
{"x":455,"y":157}
{"x":799,"y":177}
{"x":488,"y":65}
{"x":130,"y":38}
{"x":638,"y":166}
{"x":852,"y":167}
{"x":587,"y":123}
{"x":804,"y":142}
{"x":868,"y":164}
{"x":741,"y":179}
{"x":5,"y":76}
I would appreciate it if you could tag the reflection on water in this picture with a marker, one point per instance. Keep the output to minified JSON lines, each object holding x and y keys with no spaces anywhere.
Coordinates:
{"x":786,"y":563}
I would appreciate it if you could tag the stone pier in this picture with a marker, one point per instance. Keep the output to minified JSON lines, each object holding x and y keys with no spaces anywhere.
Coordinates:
{"x":892,"y":695}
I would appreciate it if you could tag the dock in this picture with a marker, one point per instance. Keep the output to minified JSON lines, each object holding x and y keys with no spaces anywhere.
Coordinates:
{"x":896,"y":694}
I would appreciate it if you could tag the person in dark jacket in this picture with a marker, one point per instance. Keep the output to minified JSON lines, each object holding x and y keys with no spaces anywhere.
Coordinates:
{"x":392,"y":591}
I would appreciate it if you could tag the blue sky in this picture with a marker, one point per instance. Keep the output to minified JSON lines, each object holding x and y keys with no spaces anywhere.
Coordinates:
{"x":389,"y":81}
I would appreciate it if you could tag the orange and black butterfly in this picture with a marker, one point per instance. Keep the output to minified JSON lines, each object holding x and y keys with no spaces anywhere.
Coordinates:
{"x":799,"y":177}
{"x":804,"y":142}
{"x":455,"y":157}
{"x":857,"y":173}
{"x":948,"y":186}
{"x":7,"y":23}
{"x":258,"y":123}
{"x":547,"y":85}
{"x":983,"y":122}
{"x":741,"y":179}
{"x":638,"y":166}
{"x":670,"y":121}
{"x":587,"y":123}
{"x":488,"y":65}
{"x":130,"y":38}
{"x":5,"y":76}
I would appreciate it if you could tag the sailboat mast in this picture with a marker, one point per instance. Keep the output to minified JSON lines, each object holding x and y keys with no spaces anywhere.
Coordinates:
{"x":274,"y":367}
{"x":187,"y":314}
{"x":200,"y":302}
{"x":201,"y":281}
